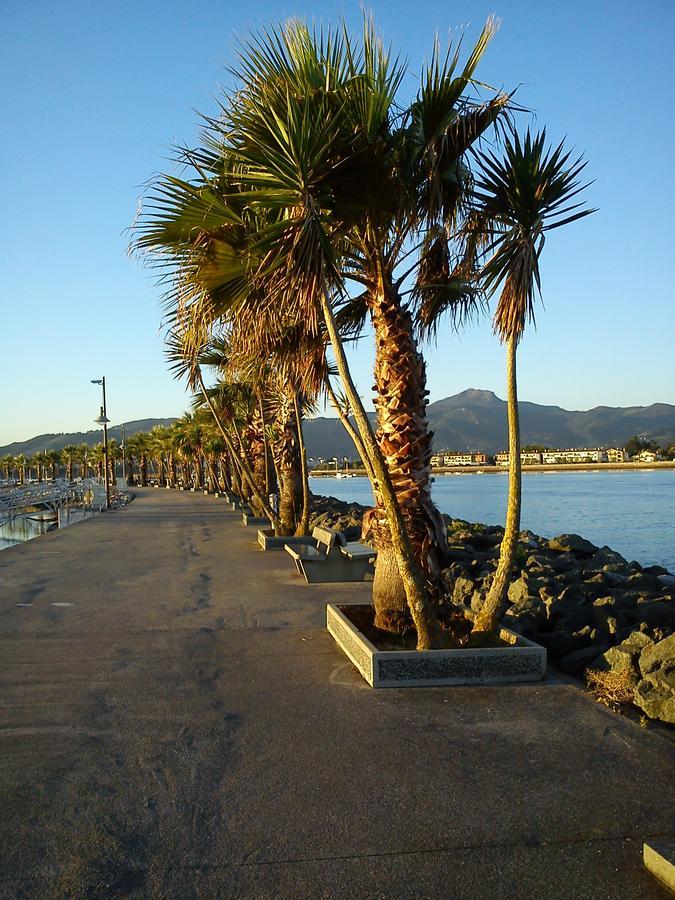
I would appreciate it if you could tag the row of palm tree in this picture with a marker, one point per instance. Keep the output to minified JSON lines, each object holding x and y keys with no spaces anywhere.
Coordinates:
{"x":82,"y":460}
{"x":319,"y":201}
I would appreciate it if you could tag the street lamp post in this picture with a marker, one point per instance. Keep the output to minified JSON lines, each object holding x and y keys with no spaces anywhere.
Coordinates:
{"x":103,"y":420}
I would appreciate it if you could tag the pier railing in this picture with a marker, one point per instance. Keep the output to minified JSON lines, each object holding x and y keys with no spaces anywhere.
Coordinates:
{"x":47,"y":496}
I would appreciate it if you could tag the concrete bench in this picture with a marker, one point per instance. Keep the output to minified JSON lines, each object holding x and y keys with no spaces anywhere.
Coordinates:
{"x":249,"y":520}
{"x":269,"y":541}
{"x":331,"y":558}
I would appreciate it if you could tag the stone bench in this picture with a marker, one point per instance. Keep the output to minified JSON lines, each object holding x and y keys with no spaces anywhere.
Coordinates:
{"x":250,"y":520}
{"x":331,"y":558}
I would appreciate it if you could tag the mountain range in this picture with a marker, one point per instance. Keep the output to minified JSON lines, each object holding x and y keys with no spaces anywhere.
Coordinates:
{"x":471,"y":420}
{"x":476,"y":420}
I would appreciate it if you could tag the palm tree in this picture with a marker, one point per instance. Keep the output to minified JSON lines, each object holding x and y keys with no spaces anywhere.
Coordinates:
{"x":343,"y":184}
{"x":7,"y":465}
{"x":21,"y":463}
{"x":53,"y":460}
{"x":521,"y":197}
{"x":160,"y":438}
{"x":69,"y":455}
{"x":96,"y":456}
{"x":84,"y":458}
{"x":138,"y":451}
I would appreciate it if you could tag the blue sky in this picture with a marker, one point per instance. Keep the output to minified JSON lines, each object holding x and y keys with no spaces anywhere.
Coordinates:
{"x":95,"y":94}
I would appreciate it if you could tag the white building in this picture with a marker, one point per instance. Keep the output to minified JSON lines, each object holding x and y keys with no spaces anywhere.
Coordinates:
{"x":552,"y":457}
{"x":527,"y":458}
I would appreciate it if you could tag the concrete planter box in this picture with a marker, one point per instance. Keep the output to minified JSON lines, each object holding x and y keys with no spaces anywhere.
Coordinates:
{"x":249,"y":521}
{"x":268,"y":540}
{"x":522,"y":661}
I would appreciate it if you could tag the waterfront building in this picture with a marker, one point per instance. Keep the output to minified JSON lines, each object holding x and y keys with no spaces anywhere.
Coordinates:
{"x":586,"y":455}
{"x":616,"y":454}
{"x":527,"y":458}
{"x":472,"y":458}
{"x":647,"y":456}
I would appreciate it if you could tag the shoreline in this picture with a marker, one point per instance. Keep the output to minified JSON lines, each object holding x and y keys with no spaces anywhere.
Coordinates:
{"x":503,"y":470}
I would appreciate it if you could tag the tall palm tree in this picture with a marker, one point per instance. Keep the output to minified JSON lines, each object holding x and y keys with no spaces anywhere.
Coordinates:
{"x":521,"y":197}
{"x":342,"y":185}
{"x":160,"y":448}
{"x":138,"y":453}
{"x":69,"y":455}
{"x":85,"y":459}
{"x":7,"y":465}
{"x":53,"y":460}
{"x":21,"y":463}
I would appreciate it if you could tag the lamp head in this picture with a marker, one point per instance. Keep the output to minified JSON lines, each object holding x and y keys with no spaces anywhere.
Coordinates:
{"x":97,"y":381}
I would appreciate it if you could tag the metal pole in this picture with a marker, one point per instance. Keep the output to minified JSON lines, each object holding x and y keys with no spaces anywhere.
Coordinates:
{"x":105,"y":449}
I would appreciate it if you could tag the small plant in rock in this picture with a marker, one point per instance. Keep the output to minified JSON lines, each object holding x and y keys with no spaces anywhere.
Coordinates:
{"x":613,"y":689}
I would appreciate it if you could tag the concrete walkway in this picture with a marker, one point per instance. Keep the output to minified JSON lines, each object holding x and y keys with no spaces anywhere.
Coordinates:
{"x":176,"y":722}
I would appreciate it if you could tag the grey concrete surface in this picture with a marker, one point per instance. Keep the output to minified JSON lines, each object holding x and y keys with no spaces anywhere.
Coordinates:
{"x":185,"y":727}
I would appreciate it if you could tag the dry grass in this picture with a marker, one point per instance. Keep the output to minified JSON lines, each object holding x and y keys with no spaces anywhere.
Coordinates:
{"x":613,"y":689}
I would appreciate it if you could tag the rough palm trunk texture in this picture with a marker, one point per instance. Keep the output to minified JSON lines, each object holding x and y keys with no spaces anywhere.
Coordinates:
{"x":289,"y":465}
{"x":490,"y":615}
{"x":303,"y":522}
{"x":405,"y":441}
{"x":258,"y":451}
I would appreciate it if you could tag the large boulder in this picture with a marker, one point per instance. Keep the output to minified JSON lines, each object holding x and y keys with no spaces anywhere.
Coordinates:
{"x":655,"y":693}
{"x":655,"y":614}
{"x":572,"y":543}
{"x":624,"y":657}
{"x":658,"y":656}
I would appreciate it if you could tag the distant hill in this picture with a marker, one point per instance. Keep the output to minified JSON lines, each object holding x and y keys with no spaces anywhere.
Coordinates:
{"x":476,"y":420}
{"x":57,"y":441}
{"x":472,"y":420}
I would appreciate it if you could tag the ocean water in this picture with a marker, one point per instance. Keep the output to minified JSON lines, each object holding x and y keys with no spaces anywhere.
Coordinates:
{"x":31,"y":525}
{"x":631,"y":512}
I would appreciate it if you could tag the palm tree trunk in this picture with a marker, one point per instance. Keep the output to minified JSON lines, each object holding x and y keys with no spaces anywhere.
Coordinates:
{"x":409,"y":570}
{"x":289,"y":463}
{"x":490,"y":615}
{"x":405,"y":441}
{"x":268,"y":487}
{"x":244,"y":469}
{"x":303,"y":524}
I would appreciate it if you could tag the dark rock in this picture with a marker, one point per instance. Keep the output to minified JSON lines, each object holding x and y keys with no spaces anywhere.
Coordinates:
{"x":530,"y":611}
{"x":658,"y":613}
{"x":643,"y":582}
{"x":572,"y":543}
{"x":575,"y":662}
{"x":656,"y":570}
{"x":605,"y":556}
{"x":558,"y":643}
{"x":666,"y":580}
{"x":615,"y":579}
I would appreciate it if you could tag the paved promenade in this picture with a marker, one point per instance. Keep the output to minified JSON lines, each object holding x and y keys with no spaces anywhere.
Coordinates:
{"x":176,"y":722}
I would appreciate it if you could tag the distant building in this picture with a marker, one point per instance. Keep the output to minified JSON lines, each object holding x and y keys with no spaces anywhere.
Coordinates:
{"x":647,"y":456}
{"x":552,"y":457}
{"x":472,"y":458}
{"x":616,"y":454}
{"x":527,"y":458}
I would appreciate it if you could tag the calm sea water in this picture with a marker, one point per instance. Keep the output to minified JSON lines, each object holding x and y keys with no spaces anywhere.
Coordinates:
{"x":31,"y":525}
{"x":631,"y":512}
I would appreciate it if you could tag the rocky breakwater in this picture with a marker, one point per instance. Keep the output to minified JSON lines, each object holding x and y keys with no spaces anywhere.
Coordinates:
{"x":329,"y":512}
{"x":590,"y":607}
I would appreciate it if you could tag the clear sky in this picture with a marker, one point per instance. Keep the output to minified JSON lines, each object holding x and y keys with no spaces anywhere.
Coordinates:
{"x":94,"y":94}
